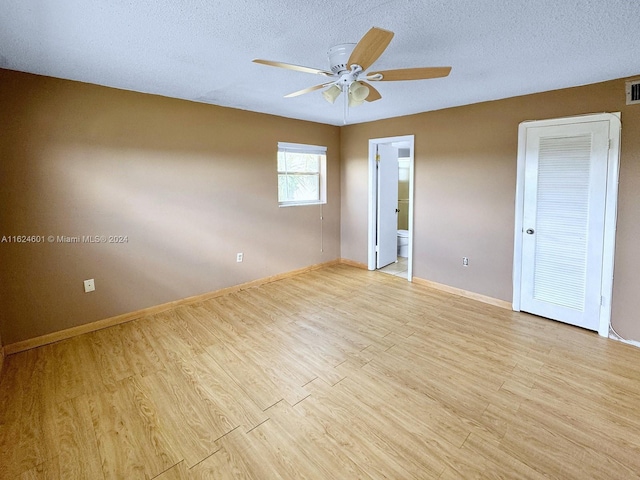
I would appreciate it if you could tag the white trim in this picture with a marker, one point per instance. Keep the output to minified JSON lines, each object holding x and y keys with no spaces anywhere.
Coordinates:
{"x":611,"y":207}
{"x":322,"y":172}
{"x":610,"y":221}
{"x":301,"y":147}
{"x":373,"y":200}
{"x":406,"y":141}
{"x":517,"y":237}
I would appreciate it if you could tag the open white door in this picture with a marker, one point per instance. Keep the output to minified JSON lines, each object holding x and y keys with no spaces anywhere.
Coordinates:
{"x":564,"y":249}
{"x":387,"y":222}
{"x":404,"y":144}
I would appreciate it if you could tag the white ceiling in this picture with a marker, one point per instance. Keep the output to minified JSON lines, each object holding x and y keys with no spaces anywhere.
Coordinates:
{"x":201,"y":50}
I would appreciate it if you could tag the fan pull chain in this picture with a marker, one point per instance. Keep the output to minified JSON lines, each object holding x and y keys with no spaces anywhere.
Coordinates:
{"x":346,"y":105}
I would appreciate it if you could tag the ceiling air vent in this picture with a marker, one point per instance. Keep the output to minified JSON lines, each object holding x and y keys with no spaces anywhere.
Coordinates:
{"x":633,"y":92}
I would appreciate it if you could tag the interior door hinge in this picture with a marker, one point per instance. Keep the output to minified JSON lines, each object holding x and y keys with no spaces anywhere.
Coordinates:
{"x":377,"y":249}
{"x":377,"y":158}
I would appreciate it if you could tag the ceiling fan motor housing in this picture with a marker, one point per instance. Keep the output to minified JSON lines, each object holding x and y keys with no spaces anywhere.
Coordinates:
{"x":339,"y":57}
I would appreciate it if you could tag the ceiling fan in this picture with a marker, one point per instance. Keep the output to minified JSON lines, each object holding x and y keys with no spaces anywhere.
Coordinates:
{"x":348,"y":64}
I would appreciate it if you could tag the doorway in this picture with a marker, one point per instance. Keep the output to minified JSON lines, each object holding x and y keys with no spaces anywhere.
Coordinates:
{"x":566,"y":201}
{"x":391,"y":187}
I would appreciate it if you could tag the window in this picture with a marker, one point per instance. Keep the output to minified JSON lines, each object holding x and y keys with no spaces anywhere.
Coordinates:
{"x":301,"y":174}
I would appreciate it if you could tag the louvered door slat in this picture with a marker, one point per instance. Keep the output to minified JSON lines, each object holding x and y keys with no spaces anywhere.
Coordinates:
{"x":562,"y":226}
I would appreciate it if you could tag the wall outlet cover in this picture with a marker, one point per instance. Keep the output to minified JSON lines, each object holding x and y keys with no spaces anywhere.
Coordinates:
{"x":89,"y":285}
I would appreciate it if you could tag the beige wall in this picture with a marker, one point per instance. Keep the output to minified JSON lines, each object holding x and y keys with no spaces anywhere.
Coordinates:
{"x":465,"y":177}
{"x":189,"y":184}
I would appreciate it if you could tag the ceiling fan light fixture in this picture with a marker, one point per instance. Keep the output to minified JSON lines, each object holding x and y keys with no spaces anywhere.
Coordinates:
{"x":354,"y":103}
{"x":331,"y":93}
{"x":358,"y":92}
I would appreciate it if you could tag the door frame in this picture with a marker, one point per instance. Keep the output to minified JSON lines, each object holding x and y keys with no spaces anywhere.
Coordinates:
{"x":611,"y":206}
{"x":406,"y":141}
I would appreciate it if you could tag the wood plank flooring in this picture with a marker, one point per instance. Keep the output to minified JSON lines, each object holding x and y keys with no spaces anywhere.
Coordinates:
{"x":337,"y":373}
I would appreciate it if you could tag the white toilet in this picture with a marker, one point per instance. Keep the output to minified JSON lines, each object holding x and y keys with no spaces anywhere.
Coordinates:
{"x":403,"y":243}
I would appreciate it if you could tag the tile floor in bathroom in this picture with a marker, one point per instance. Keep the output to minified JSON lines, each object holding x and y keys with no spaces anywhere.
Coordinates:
{"x":399,"y":269}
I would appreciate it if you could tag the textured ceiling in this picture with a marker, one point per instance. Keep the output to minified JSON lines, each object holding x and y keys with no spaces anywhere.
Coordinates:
{"x":202,"y":50}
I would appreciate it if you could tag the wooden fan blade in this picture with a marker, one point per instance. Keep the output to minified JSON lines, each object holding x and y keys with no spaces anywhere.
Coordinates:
{"x":373,"y":93}
{"x":412,"y":73}
{"x":307,"y":90}
{"x":290,"y":66}
{"x":370,"y":47}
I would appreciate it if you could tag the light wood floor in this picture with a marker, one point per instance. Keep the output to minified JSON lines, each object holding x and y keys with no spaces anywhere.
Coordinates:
{"x":334,"y":374}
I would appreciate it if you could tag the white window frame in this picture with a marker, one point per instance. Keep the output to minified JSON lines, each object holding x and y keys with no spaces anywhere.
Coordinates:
{"x":322,"y":173}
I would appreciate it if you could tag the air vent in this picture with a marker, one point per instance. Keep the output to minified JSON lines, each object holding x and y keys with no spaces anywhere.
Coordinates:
{"x":633,"y":92}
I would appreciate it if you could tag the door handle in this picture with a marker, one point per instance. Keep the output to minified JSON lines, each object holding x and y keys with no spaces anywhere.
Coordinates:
{"x":530,"y":231}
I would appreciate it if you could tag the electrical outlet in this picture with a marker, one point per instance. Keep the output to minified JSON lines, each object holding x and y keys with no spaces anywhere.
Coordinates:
{"x":239,"y":257}
{"x":465,"y":261}
{"x":89,"y":285}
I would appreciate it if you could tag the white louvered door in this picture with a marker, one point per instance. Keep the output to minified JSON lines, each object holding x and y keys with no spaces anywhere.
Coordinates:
{"x":563,"y":221}
{"x":387,"y":232}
